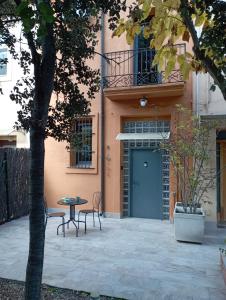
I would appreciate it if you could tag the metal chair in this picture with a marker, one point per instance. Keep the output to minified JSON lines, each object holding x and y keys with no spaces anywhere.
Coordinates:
{"x":48,"y":215}
{"x":96,"y":200}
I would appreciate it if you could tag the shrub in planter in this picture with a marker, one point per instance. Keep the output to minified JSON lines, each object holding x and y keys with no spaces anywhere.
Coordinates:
{"x":189,"y":154}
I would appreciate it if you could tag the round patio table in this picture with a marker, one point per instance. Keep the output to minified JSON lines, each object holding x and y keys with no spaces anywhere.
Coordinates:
{"x":71,"y":202}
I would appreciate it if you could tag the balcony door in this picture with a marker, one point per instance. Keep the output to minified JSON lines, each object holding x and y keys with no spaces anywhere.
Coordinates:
{"x":144,"y":72}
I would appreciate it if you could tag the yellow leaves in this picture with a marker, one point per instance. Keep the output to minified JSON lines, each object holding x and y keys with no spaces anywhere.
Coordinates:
{"x":197,"y":66}
{"x":158,"y":40}
{"x":180,"y":31}
{"x":209,"y":52}
{"x":173,"y":4}
{"x":185,"y":68}
{"x":129,"y":37}
{"x":209,"y":23}
{"x":130,"y":28}
{"x":184,"y":63}
{"x":165,"y":59}
{"x":181,"y":59}
{"x":159,"y":59}
{"x":136,"y":29}
{"x":200,"y":19}
{"x":119,"y":30}
{"x":147,"y":6}
{"x":170,"y":66}
{"x":146,"y":32}
{"x":166,"y":28}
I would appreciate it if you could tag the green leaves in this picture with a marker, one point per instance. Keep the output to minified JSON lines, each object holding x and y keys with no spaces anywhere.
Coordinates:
{"x":25,"y":11}
{"x":32,"y":16}
{"x":46,"y":12}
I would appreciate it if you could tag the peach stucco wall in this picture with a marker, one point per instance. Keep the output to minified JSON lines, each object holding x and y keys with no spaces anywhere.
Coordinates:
{"x":63,"y":181}
{"x":115,"y":113}
{"x":60,"y":180}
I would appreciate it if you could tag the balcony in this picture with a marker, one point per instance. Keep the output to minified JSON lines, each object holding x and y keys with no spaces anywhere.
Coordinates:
{"x":132,"y":70}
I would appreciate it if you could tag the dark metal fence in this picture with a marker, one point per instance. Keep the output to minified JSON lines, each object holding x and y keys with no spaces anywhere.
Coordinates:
{"x":134,"y":68}
{"x":14,"y":187}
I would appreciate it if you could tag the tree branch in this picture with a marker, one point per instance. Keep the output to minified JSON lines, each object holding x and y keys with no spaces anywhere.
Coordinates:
{"x":35,"y":55}
{"x":217,"y":76}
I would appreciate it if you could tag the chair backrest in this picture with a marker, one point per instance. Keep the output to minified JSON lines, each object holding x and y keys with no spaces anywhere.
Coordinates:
{"x":96,"y":201}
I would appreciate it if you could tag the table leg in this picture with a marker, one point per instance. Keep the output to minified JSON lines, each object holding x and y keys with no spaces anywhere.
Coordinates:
{"x":63,"y":224}
{"x":72,"y":212}
{"x":75,"y":227}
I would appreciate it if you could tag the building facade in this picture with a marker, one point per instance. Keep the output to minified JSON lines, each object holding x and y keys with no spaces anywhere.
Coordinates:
{"x":10,"y":72}
{"x":120,"y":154}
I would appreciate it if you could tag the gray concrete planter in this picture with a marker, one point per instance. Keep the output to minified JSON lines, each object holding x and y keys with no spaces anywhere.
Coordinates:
{"x":189,"y":227}
{"x":223,"y":266}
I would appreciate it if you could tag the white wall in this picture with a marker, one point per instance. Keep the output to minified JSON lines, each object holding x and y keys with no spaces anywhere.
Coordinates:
{"x":205,"y":101}
{"x":210,"y":197}
{"x":8,"y":108}
{"x":212,"y":104}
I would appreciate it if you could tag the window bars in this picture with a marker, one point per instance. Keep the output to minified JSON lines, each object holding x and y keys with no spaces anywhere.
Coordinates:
{"x":81,"y":146}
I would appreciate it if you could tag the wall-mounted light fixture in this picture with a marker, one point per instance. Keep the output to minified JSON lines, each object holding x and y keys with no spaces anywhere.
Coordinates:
{"x":143,"y":101}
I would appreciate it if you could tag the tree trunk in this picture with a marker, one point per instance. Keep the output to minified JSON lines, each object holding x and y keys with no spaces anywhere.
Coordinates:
{"x":37,"y":216}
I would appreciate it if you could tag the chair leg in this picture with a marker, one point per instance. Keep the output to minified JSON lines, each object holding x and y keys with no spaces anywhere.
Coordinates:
{"x":99,"y":219}
{"x":78,"y":218}
{"x":63,"y":226}
{"x":85,"y":222}
{"x":93,"y":220}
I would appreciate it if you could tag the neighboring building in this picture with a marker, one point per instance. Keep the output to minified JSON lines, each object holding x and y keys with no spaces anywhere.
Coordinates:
{"x":9,"y":74}
{"x":211,"y":105}
{"x":120,"y":155}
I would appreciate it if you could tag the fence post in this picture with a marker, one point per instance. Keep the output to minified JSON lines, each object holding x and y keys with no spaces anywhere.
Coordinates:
{"x":6,"y":185}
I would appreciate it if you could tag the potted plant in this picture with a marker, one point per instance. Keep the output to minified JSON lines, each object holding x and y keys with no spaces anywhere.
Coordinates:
{"x":189,"y":154}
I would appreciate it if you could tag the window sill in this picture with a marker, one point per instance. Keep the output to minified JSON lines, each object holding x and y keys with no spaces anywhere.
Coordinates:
{"x":5,"y":78}
{"x":77,"y":170}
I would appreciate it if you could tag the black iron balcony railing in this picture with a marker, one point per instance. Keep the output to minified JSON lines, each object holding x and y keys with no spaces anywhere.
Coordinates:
{"x":134,"y":68}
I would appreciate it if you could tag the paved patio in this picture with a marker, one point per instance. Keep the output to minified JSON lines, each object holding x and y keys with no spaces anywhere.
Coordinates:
{"x":130,"y":258}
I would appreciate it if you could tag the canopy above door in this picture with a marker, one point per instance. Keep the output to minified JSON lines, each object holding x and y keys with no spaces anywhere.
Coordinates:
{"x":143,"y":136}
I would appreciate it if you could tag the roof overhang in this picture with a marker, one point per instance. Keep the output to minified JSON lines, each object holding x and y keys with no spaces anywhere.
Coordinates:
{"x":143,"y":136}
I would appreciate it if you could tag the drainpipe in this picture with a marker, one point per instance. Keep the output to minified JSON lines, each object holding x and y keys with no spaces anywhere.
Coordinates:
{"x":197,"y":95}
{"x":102,"y":119}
